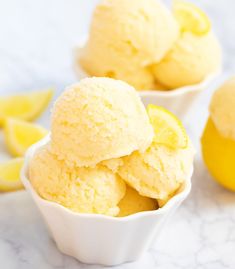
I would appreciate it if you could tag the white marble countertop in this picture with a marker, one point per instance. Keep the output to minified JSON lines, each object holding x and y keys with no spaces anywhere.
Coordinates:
{"x":36,"y":41}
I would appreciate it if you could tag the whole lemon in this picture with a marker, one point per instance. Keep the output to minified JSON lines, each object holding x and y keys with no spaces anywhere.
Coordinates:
{"x":219,"y":155}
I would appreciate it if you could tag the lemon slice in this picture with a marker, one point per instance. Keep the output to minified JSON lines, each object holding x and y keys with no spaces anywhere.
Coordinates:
{"x":19,"y":135}
{"x":191,"y":18}
{"x":168,"y":129}
{"x":10,"y":175}
{"x":25,"y":106}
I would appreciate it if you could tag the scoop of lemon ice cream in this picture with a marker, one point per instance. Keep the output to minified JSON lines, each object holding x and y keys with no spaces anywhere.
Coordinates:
{"x":222,"y":109}
{"x":98,"y":119}
{"x":133,"y":203}
{"x":141,"y":78}
{"x":84,"y":190}
{"x":126,"y":37}
{"x":191,"y":59}
{"x":158,"y":172}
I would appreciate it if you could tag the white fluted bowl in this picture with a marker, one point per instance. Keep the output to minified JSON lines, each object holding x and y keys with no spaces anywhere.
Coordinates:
{"x":99,"y":239}
{"x":180,"y":100}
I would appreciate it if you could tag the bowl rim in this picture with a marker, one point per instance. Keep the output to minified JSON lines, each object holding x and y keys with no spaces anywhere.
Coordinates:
{"x":182,"y":90}
{"x":152,"y":92}
{"x":179,"y":197}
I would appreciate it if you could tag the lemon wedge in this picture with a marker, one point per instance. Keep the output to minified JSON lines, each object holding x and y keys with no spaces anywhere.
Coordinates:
{"x":168,"y":129}
{"x":25,"y":106}
{"x":10,"y":175}
{"x":191,"y":18}
{"x":19,"y":135}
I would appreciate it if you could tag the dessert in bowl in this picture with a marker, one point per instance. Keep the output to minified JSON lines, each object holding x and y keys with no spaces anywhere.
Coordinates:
{"x":169,"y":56}
{"x":110,"y":173}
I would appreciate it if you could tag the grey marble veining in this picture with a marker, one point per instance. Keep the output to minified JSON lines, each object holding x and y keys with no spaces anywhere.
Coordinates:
{"x":36,"y":42}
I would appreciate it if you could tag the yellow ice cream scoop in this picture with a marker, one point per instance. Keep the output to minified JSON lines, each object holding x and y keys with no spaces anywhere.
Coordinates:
{"x":164,"y":166}
{"x":196,"y":53}
{"x":157,"y":173}
{"x":97,"y":119}
{"x":133,"y":203}
{"x":218,"y":139}
{"x":94,"y":190}
{"x":126,"y":37}
{"x":190,"y":60}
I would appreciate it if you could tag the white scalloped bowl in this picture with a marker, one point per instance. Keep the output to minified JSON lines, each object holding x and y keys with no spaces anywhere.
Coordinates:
{"x":179,"y":100}
{"x":100,"y":239}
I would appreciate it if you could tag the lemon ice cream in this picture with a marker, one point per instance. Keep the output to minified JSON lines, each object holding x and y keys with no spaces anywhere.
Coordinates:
{"x":126,"y":37}
{"x":222,"y":109}
{"x":164,"y":166}
{"x":132,"y":203}
{"x":191,"y":60}
{"x":141,"y":78}
{"x":195,"y":55}
{"x":85,"y":190}
{"x":159,"y":172}
{"x":147,"y":45}
{"x":98,"y":119}
{"x":103,"y":139}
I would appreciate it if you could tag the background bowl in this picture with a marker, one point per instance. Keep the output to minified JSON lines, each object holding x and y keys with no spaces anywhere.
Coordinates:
{"x":99,"y":239}
{"x":180,"y":100}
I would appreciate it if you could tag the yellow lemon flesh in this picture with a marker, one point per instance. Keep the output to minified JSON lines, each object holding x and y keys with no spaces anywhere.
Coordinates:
{"x":219,"y":155}
{"x":168,"y":129}
{"x":191,"y":18}
{"x":25,"y":106}
{"x":20,"y":135}
{"x":10,"y":175}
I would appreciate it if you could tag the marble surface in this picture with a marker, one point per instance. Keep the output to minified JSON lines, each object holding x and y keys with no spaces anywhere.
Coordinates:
{"x":36,"y":42}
